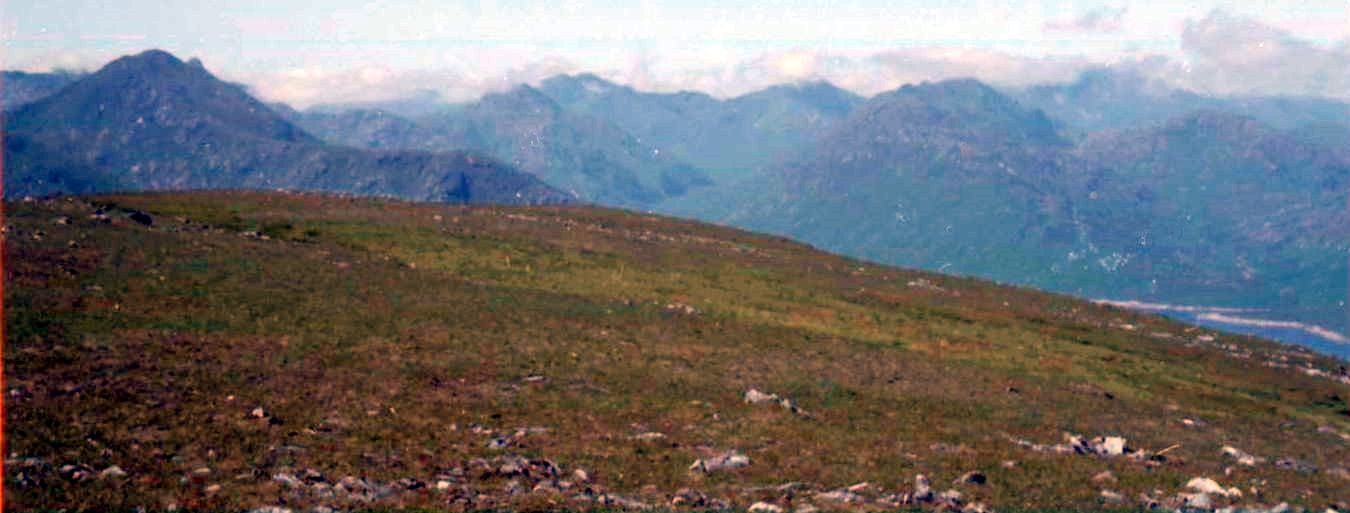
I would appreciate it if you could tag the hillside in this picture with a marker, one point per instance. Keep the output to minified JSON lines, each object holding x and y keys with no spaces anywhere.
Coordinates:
{"x":151,"y":121}
{"x":228,"y":350}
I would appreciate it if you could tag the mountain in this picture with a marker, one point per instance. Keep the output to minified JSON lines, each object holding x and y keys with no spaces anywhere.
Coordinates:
{"x":728,"y":138}
{"x":585,"y":156}
{"x":1221,"y":209}
{"x":18,"y":88}
{"x":151,"y":121}
{"x":1210,"y":208}
{"x":381,"y":355}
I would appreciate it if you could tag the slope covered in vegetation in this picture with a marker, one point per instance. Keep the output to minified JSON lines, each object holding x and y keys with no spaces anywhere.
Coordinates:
{"x":237,"y":350}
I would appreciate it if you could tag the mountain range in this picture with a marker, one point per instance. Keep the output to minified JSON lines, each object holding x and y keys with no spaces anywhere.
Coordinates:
{"x":1110,"y":186}
{"x":152,"y":121}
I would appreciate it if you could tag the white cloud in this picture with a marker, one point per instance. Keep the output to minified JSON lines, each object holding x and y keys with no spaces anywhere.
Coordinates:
{"x":1101,"y":19}
{"x":1231,"y":54}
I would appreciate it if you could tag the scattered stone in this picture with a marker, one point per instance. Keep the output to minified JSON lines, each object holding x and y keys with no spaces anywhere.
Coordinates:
{"x":650,"y":436}
{"x":1112,"y":496}
{"x":806,"y":508}
{"x":286,"y":479}
{"x":270,"y":509}
{"x":211,"y":489}
{"x":258,"y":413}
{"x":581,"y":476}
{"x":113,"y":471}
{"x":838,"y":496}
{"x":1105,"y":476}
{"x":1008,"y":463}
{"x":1299,"y":466}
{"x":977,"y":507}
{"x":951,"y":497}
{"x":1242,"y":457}
{"x":764,"y":507}
{"x":513,"y":487}
{"x":1341,"y":472}
{"x":1206,"y":485}
{"x":971,"y":477}
{"x":1195,"y":500}
{"x":621,"y":501}
{"x":754,"y":396}
{"x":726,"y":461}
{"x":923,"y":492}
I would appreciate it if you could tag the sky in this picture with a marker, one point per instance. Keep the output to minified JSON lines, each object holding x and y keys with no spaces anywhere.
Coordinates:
{"x":338,"y":51}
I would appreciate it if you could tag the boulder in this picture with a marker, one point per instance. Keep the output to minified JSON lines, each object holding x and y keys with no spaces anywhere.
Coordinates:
{"x":726,"y":461}
{"x":764,"y":507}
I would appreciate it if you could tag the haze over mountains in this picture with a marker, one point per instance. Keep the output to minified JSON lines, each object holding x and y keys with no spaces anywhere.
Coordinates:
{"x":1110,"y":186}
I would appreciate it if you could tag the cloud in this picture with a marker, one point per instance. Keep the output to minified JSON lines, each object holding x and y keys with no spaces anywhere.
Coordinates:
{"x":1099,"y":20}
{"x":1230,"y":54}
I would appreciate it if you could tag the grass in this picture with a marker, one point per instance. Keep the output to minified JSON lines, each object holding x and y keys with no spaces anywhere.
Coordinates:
{"x":374,"y":333}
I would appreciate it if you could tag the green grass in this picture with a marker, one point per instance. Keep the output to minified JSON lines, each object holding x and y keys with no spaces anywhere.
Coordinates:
{"x":369,"y":328}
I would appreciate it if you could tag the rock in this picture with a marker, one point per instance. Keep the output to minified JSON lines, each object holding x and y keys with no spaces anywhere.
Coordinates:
{"x":754,"y":396}
{"x":286,"y":479}
{"x":258,"y":413}
{"x":950,"y":497}
{"x":977,"y":507}
{"x":688,"y":497}
{"x":1209,"y":486}
{"x":1242,"y":457}
{"x":971,"y":477}
{"x":113,"y":471}
{"x":650,"y":436}
{"x":1299,"y":466}
{"x":1341,"y":472}
{"x":211,"y":489}
{"x":498,"y":444}
{"x":1105,"y":476}
{"x":923,"y":492}
{"x":1111,"y":446}
{"x":806,"y":508}
{"x":513,"y":487}
{"x":270,"y":509}
{"x":726,"y":461}
{"x":1195,"y":500}
{"x":442,"y":485}
{"x":1112,"y":496}
{"x":839,"y":496}
{"x":620,"y":501}
{"x":764,"y":507}
{"x":581,"y":476}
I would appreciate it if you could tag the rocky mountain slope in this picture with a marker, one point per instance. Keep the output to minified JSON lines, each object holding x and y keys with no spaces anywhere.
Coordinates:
{"x":305,"y":352}
{"x":1209,"y":208}
{"x":583,"y":155}
{"x":151,"y":121}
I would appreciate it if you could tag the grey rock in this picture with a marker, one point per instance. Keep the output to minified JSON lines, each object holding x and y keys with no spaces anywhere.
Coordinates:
{"x":1241,"y":456}
{"x":726,"y":461}
{"x":923,"y":491}
{"x":950,"y":497}
{"x":1299,"y":466}
{"x":286,"y":479}
{"x":689,"y":497}
{"x":1195,"y":500}
{"x":839,"y":496}
{"x":621,"y":501}
{"x":513,"y":487}
{"x":1112,"y":496}
{"x":764,"y":507}
{"x":113,"y":471}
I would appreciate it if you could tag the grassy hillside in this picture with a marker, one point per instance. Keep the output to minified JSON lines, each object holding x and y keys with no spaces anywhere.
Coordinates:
{"x":236,"y":350}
